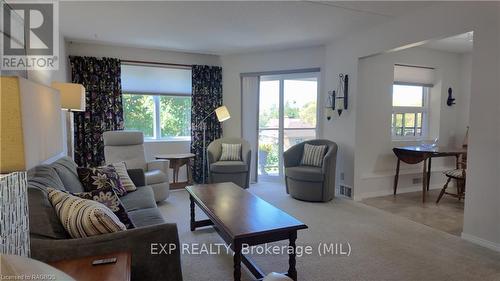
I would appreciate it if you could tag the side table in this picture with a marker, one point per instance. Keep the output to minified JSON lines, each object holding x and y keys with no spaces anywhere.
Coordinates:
{"x":176,"y":162}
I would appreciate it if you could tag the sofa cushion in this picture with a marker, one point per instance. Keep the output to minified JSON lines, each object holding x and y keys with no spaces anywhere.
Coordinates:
{"x":65,"y":168}
{"x":142,"y":198}
{"x":108,"y":198}
{"x":305,"y":173}
{"x":145,"y":217}
{"x":229,"y":167}
{"x":82,"y":217}
{"x":44,"y":176}
{"x":231,"y":152}
{"x":43,"y":219}
{"x":97,"y":178}
{"x":155,"y":176}
{"x":124,"y":177}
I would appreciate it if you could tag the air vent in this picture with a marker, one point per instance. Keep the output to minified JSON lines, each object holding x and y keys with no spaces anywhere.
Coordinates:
{"x":345,"y":190}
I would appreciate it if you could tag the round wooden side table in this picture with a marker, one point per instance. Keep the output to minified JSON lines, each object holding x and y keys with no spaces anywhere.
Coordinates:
{"x":176,"y":162}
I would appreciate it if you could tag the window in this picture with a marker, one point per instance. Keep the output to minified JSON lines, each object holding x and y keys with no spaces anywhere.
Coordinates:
{"x":157,"y":101}
{"x":409,"y":111}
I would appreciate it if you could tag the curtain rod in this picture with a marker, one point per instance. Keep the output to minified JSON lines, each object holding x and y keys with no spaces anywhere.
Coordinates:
{"x":157,"y":63}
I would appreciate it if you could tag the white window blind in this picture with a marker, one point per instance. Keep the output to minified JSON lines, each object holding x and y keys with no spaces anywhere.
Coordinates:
{"x":414,"y":75}
{"x":144,"y":79}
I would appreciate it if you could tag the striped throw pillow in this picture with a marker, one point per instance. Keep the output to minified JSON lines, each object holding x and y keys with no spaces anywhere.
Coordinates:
{"x":123,"y":177}
{"x":82,"y":217}
{"x":313,"y":155}
{"x":231,"y":152}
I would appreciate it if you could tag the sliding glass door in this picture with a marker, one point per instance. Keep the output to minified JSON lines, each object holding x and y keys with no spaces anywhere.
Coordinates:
{"x":287,"y":116}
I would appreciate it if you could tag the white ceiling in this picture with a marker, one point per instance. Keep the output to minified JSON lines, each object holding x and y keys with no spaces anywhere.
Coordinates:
{"x":222,"y":27}
{"x":462,"y":43}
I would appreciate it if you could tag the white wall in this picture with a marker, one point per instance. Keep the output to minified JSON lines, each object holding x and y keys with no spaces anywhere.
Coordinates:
{"x":234,"y":65}
{"x":443,"y":19}
{"x":374,"y":143}
{"x":141,"y":54}
{"x":46,"y":77}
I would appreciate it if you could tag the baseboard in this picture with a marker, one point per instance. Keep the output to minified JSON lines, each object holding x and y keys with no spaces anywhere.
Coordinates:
{"x":481,"y":242}
{"x":401,"y":190}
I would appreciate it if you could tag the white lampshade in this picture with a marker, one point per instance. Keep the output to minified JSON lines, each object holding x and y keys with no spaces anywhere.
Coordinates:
{"x":222,"y":113}
{"x":72,"y":95}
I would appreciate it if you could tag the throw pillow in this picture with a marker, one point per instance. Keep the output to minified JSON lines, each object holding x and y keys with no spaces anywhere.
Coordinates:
{"x":126,"y":181}
{"x":95,"y":178}
{"x":81,"y":217}
{"x":313,"y":155}
{"x":108,"y":198}
{"x":231,"y":152}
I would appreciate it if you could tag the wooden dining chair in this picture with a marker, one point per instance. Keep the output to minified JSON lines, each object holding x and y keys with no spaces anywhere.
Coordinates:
{"x":458,"y":174}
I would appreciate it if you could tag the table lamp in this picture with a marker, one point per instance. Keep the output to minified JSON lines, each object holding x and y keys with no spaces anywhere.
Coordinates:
{"x":30,"y":133}
{"x":72,"y":99}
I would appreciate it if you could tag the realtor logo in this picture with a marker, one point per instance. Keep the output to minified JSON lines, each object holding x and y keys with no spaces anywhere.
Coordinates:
{"x":30,"y":35}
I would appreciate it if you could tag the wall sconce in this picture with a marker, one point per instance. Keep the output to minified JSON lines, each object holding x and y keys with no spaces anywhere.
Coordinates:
{"x":340,"y":97}
{"x":451,"y":100}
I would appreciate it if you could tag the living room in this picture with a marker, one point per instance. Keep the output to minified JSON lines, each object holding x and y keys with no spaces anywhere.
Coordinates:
{"x":183,"y":82}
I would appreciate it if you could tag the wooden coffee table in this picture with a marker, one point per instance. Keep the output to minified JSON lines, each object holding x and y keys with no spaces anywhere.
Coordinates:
{"x":242,"y":218}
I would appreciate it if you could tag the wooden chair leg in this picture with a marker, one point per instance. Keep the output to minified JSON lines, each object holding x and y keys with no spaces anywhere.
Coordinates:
{"x":443,"y":190}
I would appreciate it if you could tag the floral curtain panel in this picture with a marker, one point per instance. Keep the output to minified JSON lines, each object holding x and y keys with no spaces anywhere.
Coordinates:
{"x":104,"y":110}
{"x":206,"y":97}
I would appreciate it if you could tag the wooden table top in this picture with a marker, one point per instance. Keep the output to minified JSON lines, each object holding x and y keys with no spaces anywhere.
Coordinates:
{"x":426,"y":148}
{"x":175,"y":156}
{"x":82,"y":269}
{"x":241,"y":213}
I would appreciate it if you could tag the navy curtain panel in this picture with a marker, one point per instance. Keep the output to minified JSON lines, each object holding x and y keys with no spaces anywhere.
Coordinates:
{"x":206,"y":97}
{"x":104,"y":109}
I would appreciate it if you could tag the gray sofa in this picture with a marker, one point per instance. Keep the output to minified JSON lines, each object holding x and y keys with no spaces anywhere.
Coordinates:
{"x":237,"y":172}
{"x":309,"y":183}
{"x":50,"y":242}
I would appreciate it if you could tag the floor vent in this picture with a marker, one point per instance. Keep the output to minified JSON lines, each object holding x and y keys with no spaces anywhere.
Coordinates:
{"x":345,"y":190}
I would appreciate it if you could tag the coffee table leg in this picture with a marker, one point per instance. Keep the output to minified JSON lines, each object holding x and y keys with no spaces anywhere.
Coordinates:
{"x":292,"y":271}
{"x":191,"y":205}
{"x":237,"y":261}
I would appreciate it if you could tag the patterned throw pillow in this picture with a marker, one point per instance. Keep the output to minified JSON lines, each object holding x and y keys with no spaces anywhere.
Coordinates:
{"x":231,"y":152}
{"x":313,"y":155}
{"x":95,"y":178}
{"x":126,"y":181}
{"x":108,"y":198}
{"x":81,"y":217}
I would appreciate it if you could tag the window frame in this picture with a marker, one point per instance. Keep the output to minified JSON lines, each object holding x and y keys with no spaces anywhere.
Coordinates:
{"x":424,"y":110}
{"x":157,"y":117}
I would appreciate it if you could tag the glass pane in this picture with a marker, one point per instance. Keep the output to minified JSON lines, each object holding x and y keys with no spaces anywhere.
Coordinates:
{"x":292,"y":137}
{"x":269,"y":99}
{"x":300,"y":98}
{"x":409,"y":96}
{"x":399,"y":120}
{"x":175,"y":116}
{"x":268,"y":158}
{"x":138,"y":112}
{"x":410,"y":120}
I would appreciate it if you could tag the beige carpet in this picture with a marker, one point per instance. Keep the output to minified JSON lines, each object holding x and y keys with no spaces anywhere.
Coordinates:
{"x":383,"y":246}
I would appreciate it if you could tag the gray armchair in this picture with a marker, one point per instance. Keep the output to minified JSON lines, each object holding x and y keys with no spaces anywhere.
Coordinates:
{"x":128,"y":146}
{"x":310,"y":183}
{"x":237,"y":172}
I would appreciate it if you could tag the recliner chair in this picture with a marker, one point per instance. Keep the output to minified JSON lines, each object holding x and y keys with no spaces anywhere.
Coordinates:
{"x":128,"y":146}
{"x":310,"y":183}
